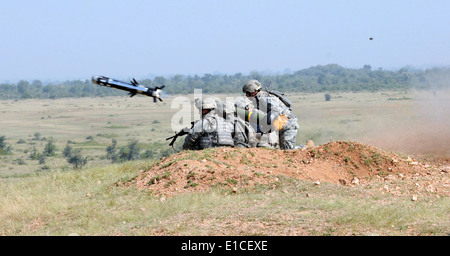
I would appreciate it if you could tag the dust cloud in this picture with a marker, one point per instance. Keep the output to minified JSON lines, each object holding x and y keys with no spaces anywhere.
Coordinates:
{"x":421,"y":129}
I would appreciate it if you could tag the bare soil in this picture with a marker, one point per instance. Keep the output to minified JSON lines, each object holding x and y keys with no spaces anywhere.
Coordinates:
{"x":339,"y":162}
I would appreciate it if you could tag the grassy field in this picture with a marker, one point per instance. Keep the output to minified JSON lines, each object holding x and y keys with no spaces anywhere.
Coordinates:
{"x":87,"y":202}
{"x":92,"y":123}
{"x":87,"y":123}
{"x":54,"y":199}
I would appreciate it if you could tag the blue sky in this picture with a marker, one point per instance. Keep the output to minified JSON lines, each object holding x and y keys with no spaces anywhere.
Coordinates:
{"x":59,"y":40}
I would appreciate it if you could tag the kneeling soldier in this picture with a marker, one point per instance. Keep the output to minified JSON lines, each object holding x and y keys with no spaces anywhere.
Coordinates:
{"x":211,"y":130}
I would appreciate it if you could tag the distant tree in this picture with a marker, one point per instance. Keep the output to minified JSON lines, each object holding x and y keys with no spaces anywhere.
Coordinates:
{"x":111,"y":151}
{"x":67,"y":151}
{"x":37,"y":136}
{"x":159,"y":80}
{"x":49,"y":149}
{"x":2,"y":142}
{"x":320,"y":78}
{"x":2,"y":145}
{"x":134,"y":150}
{"x":148,"y":154}
{"x":130,"y":152}
{"x":74,"y":157}
{"x":36,"y":83}
{"x":256,"y":75}
{"x":4,"y":148}
{"x":23,"y":88}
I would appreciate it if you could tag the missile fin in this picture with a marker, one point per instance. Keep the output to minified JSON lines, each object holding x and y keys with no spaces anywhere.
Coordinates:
{"x":134,"y":82}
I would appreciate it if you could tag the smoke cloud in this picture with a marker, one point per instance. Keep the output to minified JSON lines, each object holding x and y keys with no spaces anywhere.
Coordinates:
{"x":423,"y":129}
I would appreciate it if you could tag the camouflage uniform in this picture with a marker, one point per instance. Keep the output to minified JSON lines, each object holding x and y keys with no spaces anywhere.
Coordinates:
{"x":269,"y":140}
{"x":243,"y":133}
{"x":211,"y":131}
{"x":272,"y":105}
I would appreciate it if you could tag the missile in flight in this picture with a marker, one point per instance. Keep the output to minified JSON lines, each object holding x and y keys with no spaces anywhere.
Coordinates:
{"x":133,"y":87}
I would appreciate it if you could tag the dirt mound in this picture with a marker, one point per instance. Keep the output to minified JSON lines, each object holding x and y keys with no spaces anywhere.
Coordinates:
{"x":345,"y":163}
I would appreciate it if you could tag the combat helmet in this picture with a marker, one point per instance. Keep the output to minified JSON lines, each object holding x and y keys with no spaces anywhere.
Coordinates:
{"x":229,"y":108}
{"x":206,"y":103}
{"x":251,"y":86}
{"x":244,"y":103}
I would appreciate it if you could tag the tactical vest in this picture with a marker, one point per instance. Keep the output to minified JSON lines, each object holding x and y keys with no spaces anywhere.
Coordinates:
{"x":221,"y":136}
{"x":244,"y":134}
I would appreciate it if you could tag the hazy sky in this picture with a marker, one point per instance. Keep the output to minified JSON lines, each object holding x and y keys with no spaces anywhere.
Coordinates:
{"x":59,"y":40}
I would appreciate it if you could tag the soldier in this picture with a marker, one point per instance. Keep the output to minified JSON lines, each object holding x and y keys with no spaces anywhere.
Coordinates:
{"x":243,"y":133}
{"x":280,"y":114}
{"x":269,"y":140}
{"x":211,"y":130}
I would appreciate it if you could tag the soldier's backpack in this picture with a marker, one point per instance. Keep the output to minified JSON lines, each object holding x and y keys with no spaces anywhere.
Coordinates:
{"x":281,"y":96}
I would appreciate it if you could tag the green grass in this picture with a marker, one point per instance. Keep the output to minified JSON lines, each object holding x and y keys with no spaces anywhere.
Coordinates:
{"x":54,"y":199}
{"x":88,"y":202}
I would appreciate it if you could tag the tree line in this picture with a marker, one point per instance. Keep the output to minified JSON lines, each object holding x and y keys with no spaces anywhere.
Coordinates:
{"x":327,"y":78}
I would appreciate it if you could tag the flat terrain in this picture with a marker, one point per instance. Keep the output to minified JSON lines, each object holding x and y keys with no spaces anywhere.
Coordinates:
{"x":407,"y":122}
{"x":380,"y":166}
{"x":87,"y":123}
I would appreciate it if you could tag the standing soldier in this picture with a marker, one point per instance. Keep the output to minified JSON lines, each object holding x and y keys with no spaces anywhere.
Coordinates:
{"x":277,"y":108}
{"x":211,"y":130}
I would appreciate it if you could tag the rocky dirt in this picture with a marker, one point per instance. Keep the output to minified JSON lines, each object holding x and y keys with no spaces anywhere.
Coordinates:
{"x":339,"y":162}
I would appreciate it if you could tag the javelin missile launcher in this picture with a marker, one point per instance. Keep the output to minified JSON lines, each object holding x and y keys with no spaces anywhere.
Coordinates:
{"x":266,"y":122}
{"x":133,"y":87}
